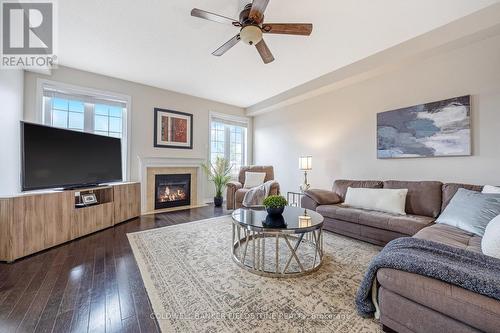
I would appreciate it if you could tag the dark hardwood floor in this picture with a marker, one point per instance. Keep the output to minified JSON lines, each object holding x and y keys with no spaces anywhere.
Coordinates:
{"x":91,"y":284}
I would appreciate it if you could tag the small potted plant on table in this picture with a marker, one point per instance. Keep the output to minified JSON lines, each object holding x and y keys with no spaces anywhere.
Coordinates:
{"x":275,"y":204}
{"x":219,"y":174}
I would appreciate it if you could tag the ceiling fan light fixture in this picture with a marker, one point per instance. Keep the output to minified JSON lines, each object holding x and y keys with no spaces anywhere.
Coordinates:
{"x":252,"y":26}
{"x":251,"y":34}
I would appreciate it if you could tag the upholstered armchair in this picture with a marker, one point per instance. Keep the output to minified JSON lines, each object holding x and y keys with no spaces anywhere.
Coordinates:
{"x":236,"y":192}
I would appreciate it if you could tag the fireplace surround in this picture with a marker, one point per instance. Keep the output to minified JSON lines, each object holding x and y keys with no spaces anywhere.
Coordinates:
{"x":172,"y":190}
{"x":151,"y":166}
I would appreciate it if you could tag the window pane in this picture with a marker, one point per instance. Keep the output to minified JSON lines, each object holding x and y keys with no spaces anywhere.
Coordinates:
{"x":237,"y":141}
{"x":101,"y":133}
{"x":115,"y":135}
{"x":219,"y":126}
{"x":220,"y":147}
{"x":101,"y":123}
{"x":60,"y":118}
{"x":115,"y":111}
{"x":61,"y":104}
{"x":228,"y":141}
{"x":220,"y":136}
{"x":76,"y":106}
{"x":101,"y":109}
{"x":115,"y":124}
{"x":76,"y":120}
{"x":214,"y":156}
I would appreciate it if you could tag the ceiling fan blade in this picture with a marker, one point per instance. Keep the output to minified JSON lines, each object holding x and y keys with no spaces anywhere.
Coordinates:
{"x":303,"y":29}
{"x":257,"y":10}
{"x":213,"y":17}
{"x":229,"y":44}
{"x":264,"y":52}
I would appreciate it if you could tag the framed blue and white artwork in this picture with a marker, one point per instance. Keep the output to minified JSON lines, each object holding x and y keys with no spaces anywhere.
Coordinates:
{"x":427,"y":130}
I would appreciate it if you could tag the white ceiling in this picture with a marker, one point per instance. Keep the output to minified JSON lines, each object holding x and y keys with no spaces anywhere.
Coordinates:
{"x":158,"y":43}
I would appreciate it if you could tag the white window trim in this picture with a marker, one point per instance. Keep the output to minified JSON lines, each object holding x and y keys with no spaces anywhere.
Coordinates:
{"x":230,"y":117}
{"x":70,"y":88}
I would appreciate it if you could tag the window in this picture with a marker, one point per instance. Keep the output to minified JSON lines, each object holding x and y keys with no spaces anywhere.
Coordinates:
{"x":87,"y":112}
{"x":108,"y":120}
{"x":67,"y":113}
{"x":228,"y":139}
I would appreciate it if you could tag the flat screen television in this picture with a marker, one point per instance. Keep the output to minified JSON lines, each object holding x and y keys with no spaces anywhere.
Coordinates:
{"x":54,"y":157}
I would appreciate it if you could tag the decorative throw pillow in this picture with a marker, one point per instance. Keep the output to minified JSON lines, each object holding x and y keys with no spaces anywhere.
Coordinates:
{"x":490,"y":244}
{"x":491,"y":189}
{"x":471,"y":211}
{"x":380,"y":199}
{"x":254,"y":179}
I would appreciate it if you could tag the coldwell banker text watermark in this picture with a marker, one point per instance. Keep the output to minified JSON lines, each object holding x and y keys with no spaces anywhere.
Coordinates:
{"x":28,"y":34}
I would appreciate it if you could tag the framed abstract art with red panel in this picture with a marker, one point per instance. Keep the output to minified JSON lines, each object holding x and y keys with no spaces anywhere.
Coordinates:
{"x":173,"y":129}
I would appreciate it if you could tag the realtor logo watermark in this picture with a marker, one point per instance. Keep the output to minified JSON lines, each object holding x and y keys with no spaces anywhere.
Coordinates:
{"x":28,"y":34}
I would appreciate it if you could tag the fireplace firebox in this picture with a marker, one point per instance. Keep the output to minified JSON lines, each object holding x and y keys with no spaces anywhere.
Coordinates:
{"x":172,"y":190}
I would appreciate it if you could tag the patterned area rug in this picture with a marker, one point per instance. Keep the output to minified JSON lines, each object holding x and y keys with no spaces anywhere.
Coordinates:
{"x":194,"y":286}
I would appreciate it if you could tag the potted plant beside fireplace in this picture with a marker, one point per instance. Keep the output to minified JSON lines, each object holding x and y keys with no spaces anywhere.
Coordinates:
{"x":219,"y":174}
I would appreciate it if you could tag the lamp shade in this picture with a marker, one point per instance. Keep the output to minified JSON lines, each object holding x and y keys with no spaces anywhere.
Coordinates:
{"x":251,"y":34}
{"x":305,"y":162}
{"x":305,"y":220}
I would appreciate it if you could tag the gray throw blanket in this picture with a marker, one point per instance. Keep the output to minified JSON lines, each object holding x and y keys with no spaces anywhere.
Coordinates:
{"x":469,"y":270}
{"x":256,"y":195}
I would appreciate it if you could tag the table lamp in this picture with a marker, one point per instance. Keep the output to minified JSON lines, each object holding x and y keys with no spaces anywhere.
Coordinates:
{"x":305,"y":164}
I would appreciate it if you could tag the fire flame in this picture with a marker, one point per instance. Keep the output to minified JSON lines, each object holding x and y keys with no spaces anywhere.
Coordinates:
{"x":172,"y":194}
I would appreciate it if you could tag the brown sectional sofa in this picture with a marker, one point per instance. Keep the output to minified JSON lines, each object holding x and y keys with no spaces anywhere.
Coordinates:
{"x":411,"y":302}
{"x":423,"y":205}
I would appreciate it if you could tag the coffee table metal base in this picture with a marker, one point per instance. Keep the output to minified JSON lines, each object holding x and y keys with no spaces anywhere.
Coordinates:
{"x":252,"y":244}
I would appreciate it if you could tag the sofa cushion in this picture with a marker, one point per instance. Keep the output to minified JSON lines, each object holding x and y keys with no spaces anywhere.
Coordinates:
{"x":424,"y":197}
{"x":362,"y":232}
{"x":450,"y":189}
{"x":452,"y":236}
{"x":407,"y":224}
{"x":340,"y":186}
{"x":340,"y":212}
{"x":463,"y":305}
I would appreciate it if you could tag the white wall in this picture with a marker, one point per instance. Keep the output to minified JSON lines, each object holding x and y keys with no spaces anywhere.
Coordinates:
{"x":11,"y":111}
{"x":339,"y":128}
{"x":144,"y":100}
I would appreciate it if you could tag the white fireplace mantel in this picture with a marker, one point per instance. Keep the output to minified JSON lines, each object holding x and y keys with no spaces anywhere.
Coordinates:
{"x":165,"y":162}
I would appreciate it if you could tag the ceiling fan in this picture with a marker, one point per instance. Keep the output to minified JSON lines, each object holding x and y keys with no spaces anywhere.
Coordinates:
{"x":252,"y":26}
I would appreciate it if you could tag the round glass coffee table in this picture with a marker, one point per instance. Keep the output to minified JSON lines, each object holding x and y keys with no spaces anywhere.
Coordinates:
{"x":278,"y":246}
